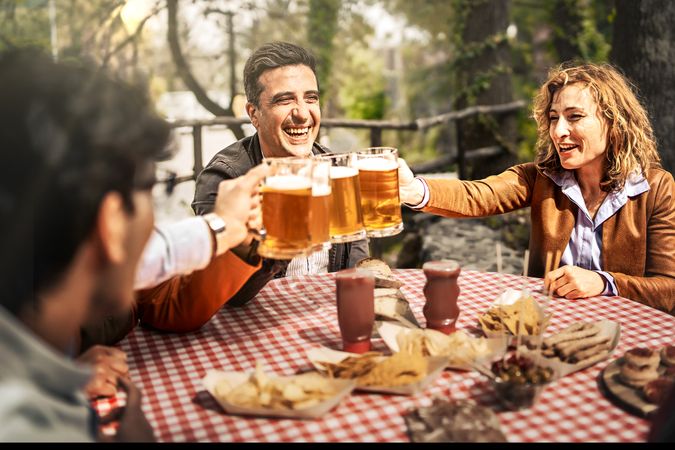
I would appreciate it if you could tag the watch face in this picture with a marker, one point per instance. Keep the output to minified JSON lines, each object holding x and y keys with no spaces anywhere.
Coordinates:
{"x":216,"y":224}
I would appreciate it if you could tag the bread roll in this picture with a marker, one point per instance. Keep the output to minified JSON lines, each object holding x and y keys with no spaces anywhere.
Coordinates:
{"x":384,"y":277}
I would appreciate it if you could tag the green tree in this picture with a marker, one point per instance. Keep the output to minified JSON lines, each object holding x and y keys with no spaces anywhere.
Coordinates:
{"x":575,"y":30}
{"x":362,"y":93}
{"x":89,"y":29}
{"x":322,"y":26}
{"x":24,"y":23}
{"x":483,"y":77}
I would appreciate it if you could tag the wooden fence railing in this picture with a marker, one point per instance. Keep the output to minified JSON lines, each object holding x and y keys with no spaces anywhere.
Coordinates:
{"x":376,"y":127}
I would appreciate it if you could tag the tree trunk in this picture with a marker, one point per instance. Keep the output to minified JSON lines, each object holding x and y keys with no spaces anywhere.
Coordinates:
{"x":484,"y":78}
{"x":186,"y":75}
{"x":567,"y":19}
{"x":232,"y":58}
{"x":643,"y":47}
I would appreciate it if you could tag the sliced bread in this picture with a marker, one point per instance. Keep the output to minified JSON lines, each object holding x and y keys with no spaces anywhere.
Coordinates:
{"x":384,"y":277}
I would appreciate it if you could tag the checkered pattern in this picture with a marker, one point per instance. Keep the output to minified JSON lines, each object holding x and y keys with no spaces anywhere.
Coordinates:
{"x":292,"y":314}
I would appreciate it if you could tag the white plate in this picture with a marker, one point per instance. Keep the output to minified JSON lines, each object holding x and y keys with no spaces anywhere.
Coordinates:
{"x":342,"y":388}
{"x":435,"y":366}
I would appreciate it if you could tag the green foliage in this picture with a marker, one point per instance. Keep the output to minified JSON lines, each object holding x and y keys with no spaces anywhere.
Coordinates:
{"x":593,"y":45}
{"x":576,"y":35}
{"x":419,"y":147}
{"x":369,"y":105}
{"x":434,"y":16}
{"x":351,"y":72}
{"x":527,"y":130}
{"x":24,"y":23}
{"x":322,"y":26}
{"x":85,"y":29}
{"x":362,"y":94}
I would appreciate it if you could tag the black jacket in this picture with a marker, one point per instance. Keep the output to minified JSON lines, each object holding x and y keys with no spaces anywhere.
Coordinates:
{"x":234,"y":161}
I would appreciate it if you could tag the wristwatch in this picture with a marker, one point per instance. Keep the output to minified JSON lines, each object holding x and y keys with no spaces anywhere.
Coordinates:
{"x":218,"y":227}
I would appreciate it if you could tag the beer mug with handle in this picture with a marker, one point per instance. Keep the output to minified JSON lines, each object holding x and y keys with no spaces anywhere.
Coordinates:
{"x":286,"y":202}
{"x":378,"y":178}
{"x":346,"y":221}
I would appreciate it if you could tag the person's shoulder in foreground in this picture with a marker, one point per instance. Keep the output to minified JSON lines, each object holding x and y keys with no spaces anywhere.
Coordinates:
{"x":75,"y":214}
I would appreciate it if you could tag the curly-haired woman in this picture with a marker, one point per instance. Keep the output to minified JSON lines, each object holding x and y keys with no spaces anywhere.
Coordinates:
{"x":597,"y":193}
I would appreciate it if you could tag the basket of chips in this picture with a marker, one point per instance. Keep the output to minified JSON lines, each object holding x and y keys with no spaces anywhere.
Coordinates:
{"x":304,"y":396}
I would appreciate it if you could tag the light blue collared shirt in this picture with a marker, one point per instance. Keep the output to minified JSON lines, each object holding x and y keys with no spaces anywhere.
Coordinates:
{"x":585,"y":245}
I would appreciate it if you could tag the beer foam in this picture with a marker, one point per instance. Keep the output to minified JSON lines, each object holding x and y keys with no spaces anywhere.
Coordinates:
{"x":320,"y":190}
{"x":343,"y":172}
{"x":376,"y":164}
{"x":288,"y":182}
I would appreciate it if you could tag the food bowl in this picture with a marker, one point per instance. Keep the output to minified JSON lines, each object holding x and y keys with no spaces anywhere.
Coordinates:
{"x":515,"y":396}
{"x":519,"y":381}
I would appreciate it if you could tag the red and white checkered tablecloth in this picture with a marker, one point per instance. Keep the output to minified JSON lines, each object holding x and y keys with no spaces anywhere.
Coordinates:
{"x":293,"y":314}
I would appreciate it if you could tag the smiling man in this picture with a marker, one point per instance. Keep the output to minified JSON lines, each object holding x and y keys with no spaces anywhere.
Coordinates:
{"x":282,"y":95}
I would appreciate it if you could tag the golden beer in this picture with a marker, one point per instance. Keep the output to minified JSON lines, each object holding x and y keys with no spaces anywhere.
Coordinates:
{"x":380,"y":202}
{"x":286,"y":201}
{"x":319,"y":225}
{"x":346,"y":221}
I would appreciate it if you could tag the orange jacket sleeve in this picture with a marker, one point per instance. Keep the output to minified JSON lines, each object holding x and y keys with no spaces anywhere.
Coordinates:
{"x":185,"y":303}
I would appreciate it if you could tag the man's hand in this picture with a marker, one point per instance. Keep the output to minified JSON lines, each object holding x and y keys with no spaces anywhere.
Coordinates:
{"x":574,"y":282}
{"x":109,"y":364}
{"x":238,"y":204}
{"x":411,"y":190}
{"x":133,"y":426}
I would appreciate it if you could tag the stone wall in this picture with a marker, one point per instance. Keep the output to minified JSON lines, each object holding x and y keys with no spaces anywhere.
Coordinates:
{"x":472,"y":242}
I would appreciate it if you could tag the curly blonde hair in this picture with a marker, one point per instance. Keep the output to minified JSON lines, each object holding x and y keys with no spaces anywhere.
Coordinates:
{"x":631,"y":144}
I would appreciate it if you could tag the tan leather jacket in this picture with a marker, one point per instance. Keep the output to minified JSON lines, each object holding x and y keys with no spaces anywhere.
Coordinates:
{"x":638,"y":242}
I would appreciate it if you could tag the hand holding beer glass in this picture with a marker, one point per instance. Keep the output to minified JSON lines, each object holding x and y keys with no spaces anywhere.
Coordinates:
{"x":380,"y":203}
{"x":286,"y":202}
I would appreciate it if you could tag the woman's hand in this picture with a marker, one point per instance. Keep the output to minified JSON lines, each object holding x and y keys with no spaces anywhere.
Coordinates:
{"x":574,"y":282}
{"x":410,"y":189}
{"x":109,"y":365}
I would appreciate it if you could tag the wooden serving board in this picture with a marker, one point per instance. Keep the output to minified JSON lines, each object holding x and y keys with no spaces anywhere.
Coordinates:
{"x":632,"y":399}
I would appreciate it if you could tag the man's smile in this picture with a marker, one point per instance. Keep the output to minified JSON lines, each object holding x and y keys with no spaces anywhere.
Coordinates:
{"x":297,"y":132}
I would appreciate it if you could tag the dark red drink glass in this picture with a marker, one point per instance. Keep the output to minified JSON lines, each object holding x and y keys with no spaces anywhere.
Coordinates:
{"x":441,"y":291}
{"x":355,"y":291}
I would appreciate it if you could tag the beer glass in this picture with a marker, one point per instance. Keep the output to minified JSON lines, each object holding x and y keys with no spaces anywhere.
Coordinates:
{"x":286,"y":201}
{"x":346,"y":220}
{"x":319,"y":222}
{"x":378,"y":177}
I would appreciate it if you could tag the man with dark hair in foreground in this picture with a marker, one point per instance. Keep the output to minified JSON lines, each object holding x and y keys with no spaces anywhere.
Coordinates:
{"x":75,"y":214}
